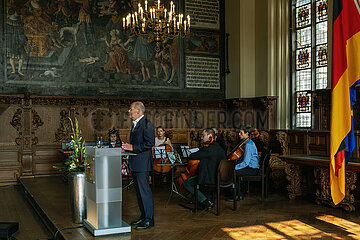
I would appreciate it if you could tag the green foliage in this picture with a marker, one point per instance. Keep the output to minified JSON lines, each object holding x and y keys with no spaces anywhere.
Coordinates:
{"x":76,"y":161}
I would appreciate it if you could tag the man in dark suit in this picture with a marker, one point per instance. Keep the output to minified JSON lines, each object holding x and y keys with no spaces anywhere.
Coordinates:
{"x":219,"y":139}
{"x":210,"y":156}
{"x":142,"y":139}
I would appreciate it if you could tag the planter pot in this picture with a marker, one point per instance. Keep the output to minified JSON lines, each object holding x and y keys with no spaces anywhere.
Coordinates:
{"x":77,"y":196}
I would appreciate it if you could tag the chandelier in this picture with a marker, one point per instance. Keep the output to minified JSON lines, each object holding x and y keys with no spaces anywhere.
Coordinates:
{"x":157,"y":23}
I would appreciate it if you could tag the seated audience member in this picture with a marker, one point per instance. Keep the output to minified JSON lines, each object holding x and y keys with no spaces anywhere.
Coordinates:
{"x":248,"y":164}
{"x":219,"y":139}
{"x":114,"y":139}
{"x":210,"y":156}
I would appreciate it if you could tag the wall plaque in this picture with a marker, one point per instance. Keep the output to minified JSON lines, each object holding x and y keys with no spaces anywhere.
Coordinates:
{"x":204,"y":13}
{"x":202,"y":72}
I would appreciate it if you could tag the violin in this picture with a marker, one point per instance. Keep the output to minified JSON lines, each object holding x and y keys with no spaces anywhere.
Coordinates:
{"x":158,"y":162}
{"x":191,"y":169}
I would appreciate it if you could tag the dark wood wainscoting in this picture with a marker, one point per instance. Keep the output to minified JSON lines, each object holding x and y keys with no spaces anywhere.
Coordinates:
{"x":33,"y":127}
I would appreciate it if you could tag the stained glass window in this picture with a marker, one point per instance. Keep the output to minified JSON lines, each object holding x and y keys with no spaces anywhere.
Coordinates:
{"x":321,"y":10}
{"x":303,"y":100}
{"x":310,"y":51}
{"x":321,"y":55}
{"x":303,"y":15}
{"x":303,"y":58}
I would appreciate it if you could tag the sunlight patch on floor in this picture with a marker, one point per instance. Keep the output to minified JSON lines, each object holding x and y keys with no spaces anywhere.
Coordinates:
{"x":351,"y":227}
{"x":291,"y":229}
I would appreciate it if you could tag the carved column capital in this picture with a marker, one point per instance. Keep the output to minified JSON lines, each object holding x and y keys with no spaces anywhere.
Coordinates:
{"x":283,"y":138}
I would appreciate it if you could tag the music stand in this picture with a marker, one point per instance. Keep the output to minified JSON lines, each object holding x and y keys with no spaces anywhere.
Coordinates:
{"x":185,"y":151}
{"x":160,"y":153}
{"x":174,"y":188}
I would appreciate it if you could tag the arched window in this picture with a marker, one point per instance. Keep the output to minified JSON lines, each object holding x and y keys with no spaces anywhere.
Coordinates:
{"x":309,"y":45}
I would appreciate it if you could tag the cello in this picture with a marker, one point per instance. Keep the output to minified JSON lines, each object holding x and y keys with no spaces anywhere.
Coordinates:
{"x":191,"y":169}
{"x":238,"y":151}
{"x":163,"y":159}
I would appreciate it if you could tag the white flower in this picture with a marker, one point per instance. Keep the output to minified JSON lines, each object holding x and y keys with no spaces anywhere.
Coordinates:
{"x":72,"y":166}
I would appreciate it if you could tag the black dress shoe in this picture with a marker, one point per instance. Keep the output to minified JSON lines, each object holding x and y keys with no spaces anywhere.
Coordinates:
{"x":237,"y":198}
{"x":145,"y":225}
{"x":203,"y":206}
{"x":137,"y":222}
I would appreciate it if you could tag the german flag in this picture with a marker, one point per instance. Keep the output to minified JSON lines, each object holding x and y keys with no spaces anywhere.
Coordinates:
{"x":345,"y":76}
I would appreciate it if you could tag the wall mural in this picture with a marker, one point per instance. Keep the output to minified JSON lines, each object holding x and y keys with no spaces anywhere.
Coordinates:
{"x":78,"y":47}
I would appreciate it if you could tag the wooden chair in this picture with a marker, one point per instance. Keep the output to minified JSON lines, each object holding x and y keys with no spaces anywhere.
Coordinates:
{"x":226,"y":178}
{"x":262,"y":176}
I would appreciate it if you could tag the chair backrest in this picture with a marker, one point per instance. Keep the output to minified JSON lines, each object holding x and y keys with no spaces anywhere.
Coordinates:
{"x":226,"y":170}
{"x":265,"y":163}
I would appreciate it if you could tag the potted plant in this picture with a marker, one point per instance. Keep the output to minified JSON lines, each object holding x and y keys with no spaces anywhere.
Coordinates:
{"x":75,"y":167}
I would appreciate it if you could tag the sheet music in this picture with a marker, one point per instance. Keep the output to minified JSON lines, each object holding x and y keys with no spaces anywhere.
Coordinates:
{"x":193,"y":150}
{"x":184,"y":151}
{"x":160,"y":152}
{"x":171,"y":157}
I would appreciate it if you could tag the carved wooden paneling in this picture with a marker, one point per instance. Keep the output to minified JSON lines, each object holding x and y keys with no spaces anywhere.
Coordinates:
{"x":45,"y":158}
{"x":10,"y":166}
{"x":297,"y":141}
{"x":319,"y":143}
{"x":179,"y":135}
{"x":9,"y":157}
{"x":35,"y":126}
{"x":9,"y":175}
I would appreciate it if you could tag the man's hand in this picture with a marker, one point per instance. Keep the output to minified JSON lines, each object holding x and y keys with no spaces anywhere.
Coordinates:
{"x":127,"y":147}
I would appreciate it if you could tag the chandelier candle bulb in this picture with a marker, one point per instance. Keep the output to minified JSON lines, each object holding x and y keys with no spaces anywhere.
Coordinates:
{"x":158,"y":21}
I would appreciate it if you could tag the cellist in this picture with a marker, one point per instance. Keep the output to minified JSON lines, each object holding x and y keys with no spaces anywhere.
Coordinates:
{"x":162,"y":140}
{"x":248,"y":164}
{"x":210,"y":156}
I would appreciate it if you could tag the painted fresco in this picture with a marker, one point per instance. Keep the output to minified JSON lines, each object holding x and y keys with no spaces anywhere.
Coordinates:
{"x":78,"y":45}
{"x":203,"y":43}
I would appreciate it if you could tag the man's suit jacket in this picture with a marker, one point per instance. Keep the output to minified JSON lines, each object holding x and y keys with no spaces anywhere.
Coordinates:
{"x":210,"y":158}
{"x":142,"y":138}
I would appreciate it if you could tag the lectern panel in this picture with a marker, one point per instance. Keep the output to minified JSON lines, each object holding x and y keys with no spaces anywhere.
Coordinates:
{"x":104,"y":191}
{"x":110,"y":214}
{"x":108,"y":172}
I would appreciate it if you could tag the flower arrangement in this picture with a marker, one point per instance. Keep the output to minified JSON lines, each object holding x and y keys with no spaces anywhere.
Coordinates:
{"x":76,"y":161}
